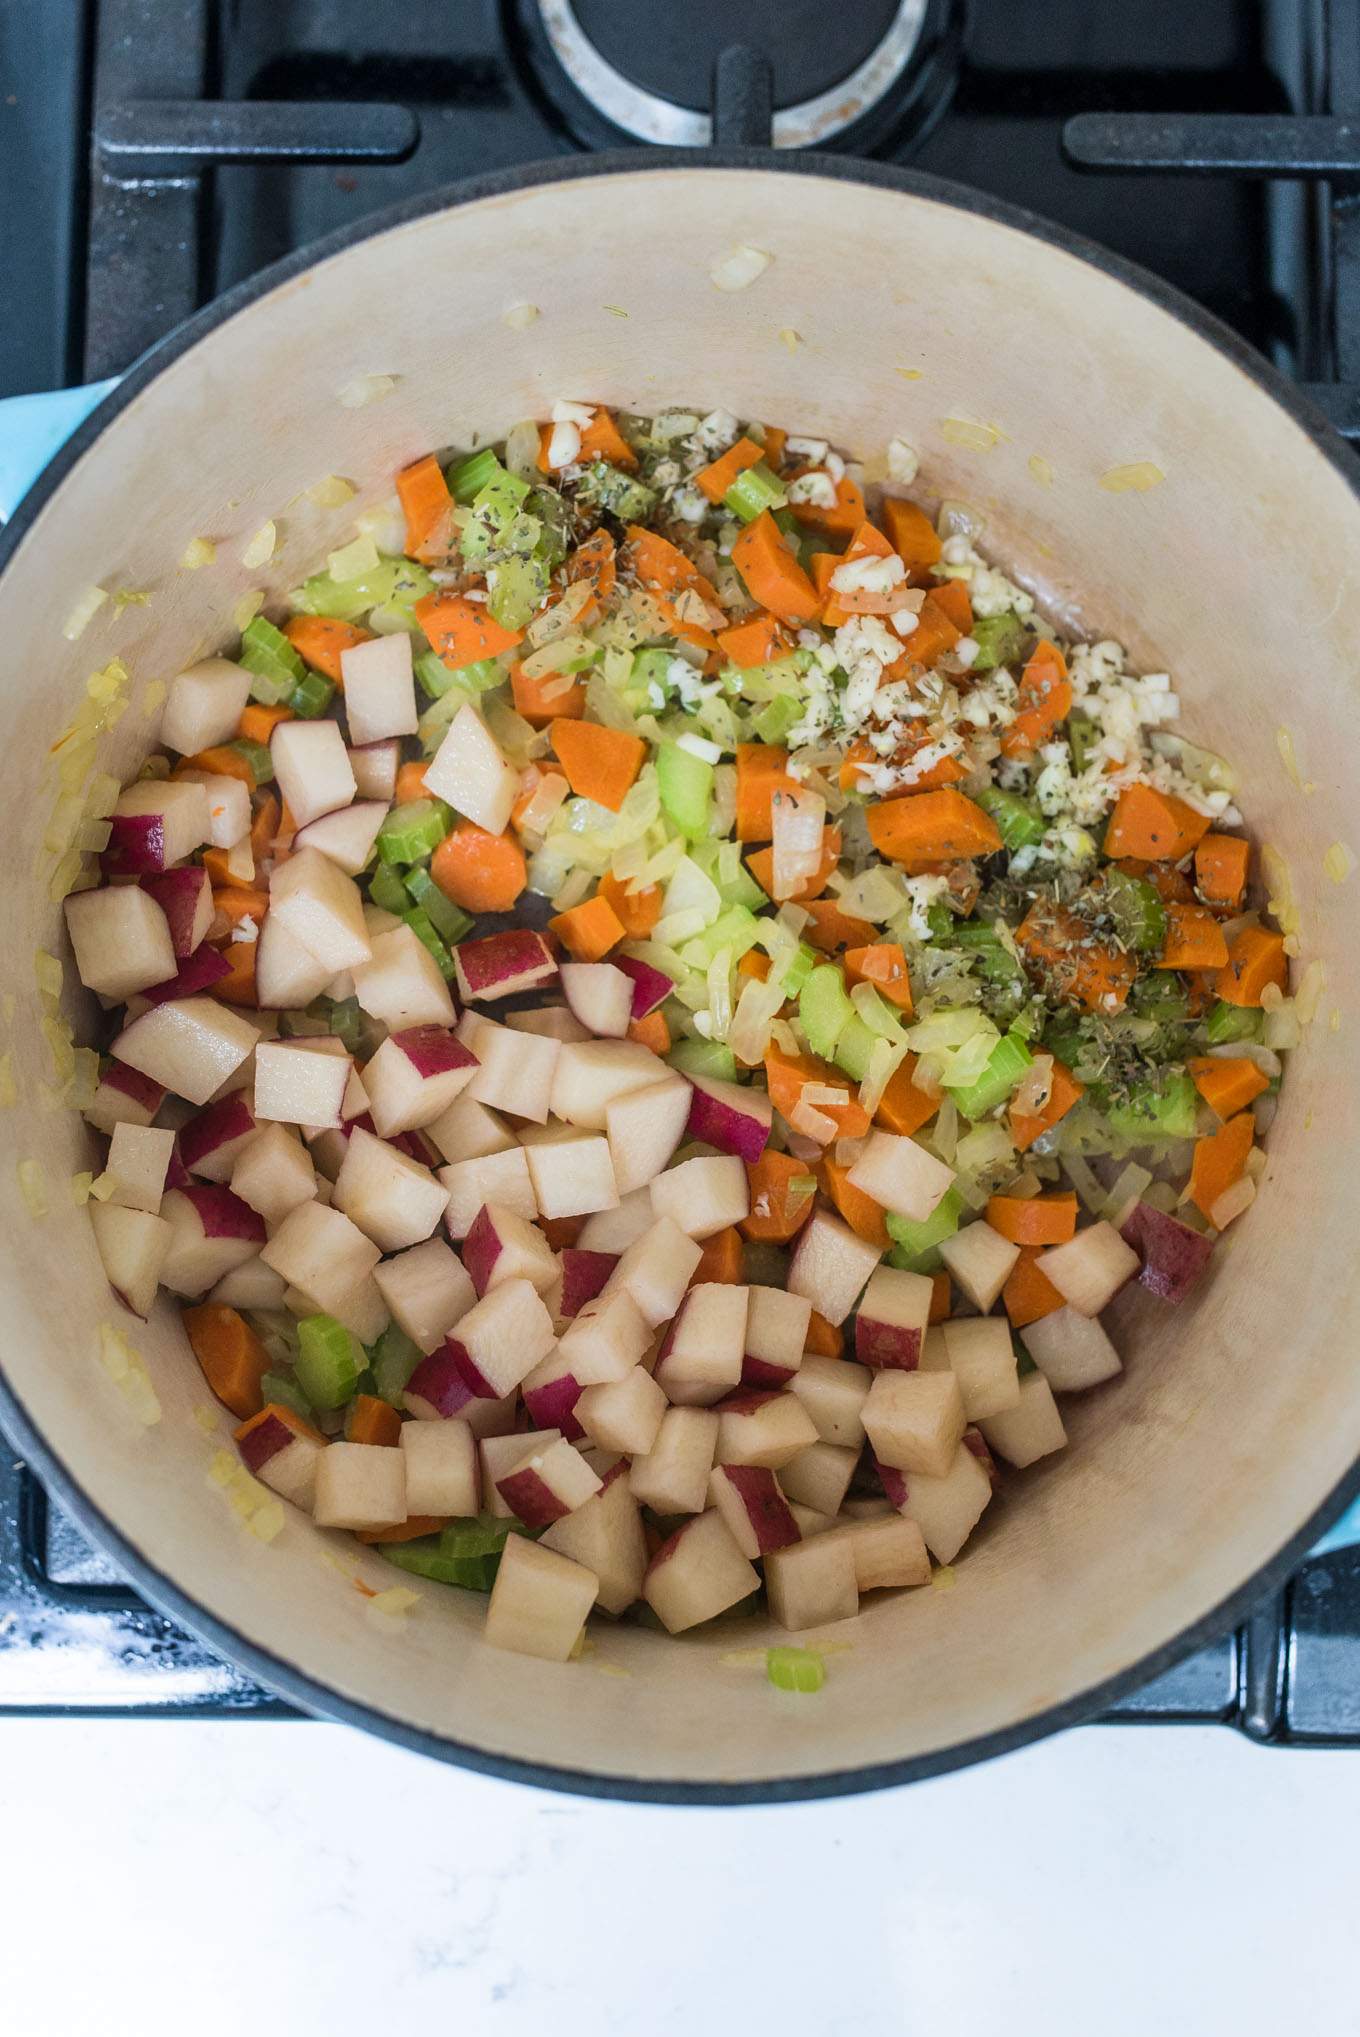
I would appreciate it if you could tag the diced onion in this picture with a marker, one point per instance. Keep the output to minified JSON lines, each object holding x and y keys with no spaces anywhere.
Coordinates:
{"x":198,"y":552}
{"x":1309,"y":993}
{"x":1084,"y":1181}
{"x":1139,"y":475}
{"x":969,"y":434}
{"x":260,"y":550}
{"x":812,"y":1123}
{"x":1030,"y":1099}
{"x":1233,"y":1202}
{"x":798,"y":821}
{"x":330,"y":492}
{"x":519,"y":316}
{"x":88,"y":606}
{"x":1338,"y":862}
{"x":739,"y":269}
{"x":367,"y":389}
{"x":1128,"y":1186}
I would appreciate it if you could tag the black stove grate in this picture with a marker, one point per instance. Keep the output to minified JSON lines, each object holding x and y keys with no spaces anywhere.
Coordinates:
{"x":1217,"y":145}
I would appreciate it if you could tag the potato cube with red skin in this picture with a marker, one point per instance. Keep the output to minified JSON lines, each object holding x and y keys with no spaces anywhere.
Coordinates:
{"x":697,"y":1573}
{"x":600,"y":997}
{"x":834,"y":1390}
{"x":945,"y":1509}
{"x":1031,"y":1429}
{"x":572,"y":1172}
{"x":704,"y":1196}
{"x":755,"y":1510}
{"x":516,"y":1069}
{"x":644,"y":1127}
{"x":820,"y":1476}
{"x":830,"y":1265}
{"x":614,"y":1230}
{"x":776,"y":1334}
{"x":591,"y":1074}
{"x":605,"y":1536}
{"x":139,"y":1160}
{"x":428,"y":1290}
{"x":764,"y":1429}
{"x":211,"y":1231}
{"x":155,"y":824}
{"x":606,"y":1339}
{"x":469,"y":772}
{"x":283,"y":1452}
{"x":184,"y":895}
{"x":623,"y":1414}
{"x":312,"y":768}
{"x":656,"y":1270}
{"x":1089,"y":1270}
{"x":540,"y":1599}
{"x":901,"y":1176}
{"x":584,"y":1276}
{"x":121,"y":940}
{"x":442,"y":1475}
{"x":503,"y":965}
{"x":1072,"y":1351}
{"x":123,"y":1097}
{"x":729,"y":1115}
{"x":706,"y":1341}
{"x":501,"y":1339}
{"x":132,"y":1246}
{"x":438,"y":1392}
{"x":400,"y":983}
{"x":1173,"y":1255}
{"x":813,"y":1582}
{"x":497,"y":1456}
{"x":501,"y":1246}
{"x":360,"y":1485}
{"x":414,"y":1076}
{"x":190,"y":1045}
{"x":499,"y":1178}
{"x":547,"y":1483}
{"x":915,"y":1420}
{"x":982,"y":1360}
{"x":980,"y":1262}
{"x":672,"y":1477}
{"x":889,"y":1553}
{"x":550,"y":1394}
{"x":894,"y":1312}
{"x":393,"y":1199}
{"x":273,"y":1172}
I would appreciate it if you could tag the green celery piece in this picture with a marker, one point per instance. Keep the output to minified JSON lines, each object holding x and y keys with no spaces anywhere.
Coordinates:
{"x":1000,"y":640}
{"x":789,"y":525}
{"x":410,"y":584}
{"x":1020,"y":824}
{"x":467,"y":478}
{"x":393,"y":1359}
{"x":1010,"y":1058}
{"x":348,"y":1021}
{"x":995,"y":963}
{"x":435,"y":677}
{"x":522,"y":534}
{"x":283,"y":1389}
{"x":704,"y":1057}
{"x":943,"y":1221}
{"x":684,"y":782}
{"x":1162,"y":996}
{"x":311,"y":696}
{"x":1136,"y":909}
{"x":1167,"y":1108}
{"x":801,"y":967}
{"x":824,"y":1009}
{"x":773,"y":722}
{"x":449,"y":921}
{"x":558,"y":520}
{"x":801,"y":1669}
{"x":433,"y":725}
{"x":941,"y":922}
{"x":267,"y":654}
{"x":854,"y":1047}
{"x":1229,"y":1022}
{"x":928,"y":1261}
{"x":605,"y":487}
{"x":739,"y":890}
{"x":1081,"y":740}
{"x":466,"y":1553}
{"x":1024,"y":1364}
{"x":518,"y":586}
{"x":652,"y":667}
{"x":413,"y":831}
{"x":386,"y":889}
{"x":754,"y":490}
{"x":329,"y":1362}
{"x":499,"y":501}
{"x":258,"y":757}
{"x":347,"y":600}
{"x":421,"y":925}
{"x":736,"y":929}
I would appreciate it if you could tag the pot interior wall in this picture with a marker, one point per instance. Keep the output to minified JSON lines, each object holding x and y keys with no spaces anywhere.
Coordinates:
{"x":881,"y":313}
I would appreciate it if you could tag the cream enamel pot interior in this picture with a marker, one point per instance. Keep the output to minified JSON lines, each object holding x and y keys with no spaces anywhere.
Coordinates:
{"x":1194,"y":1480}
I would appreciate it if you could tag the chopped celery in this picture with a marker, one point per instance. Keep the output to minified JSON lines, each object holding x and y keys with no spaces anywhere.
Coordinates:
{"x":329,"y":1362}
{"x":704,"y":1057}
{"x":258,"y":757}
{"x":995,"y":962}
{"x":449,"y":921}
{"x":347,"y":600}
{"x":421,"y":925}
{"x":1167,"y":1107}
{"x":466,"y":1553}
{"x":1019,"y":824}
{"x":386,"y":889}
{"x":1000,"y":640}
{"x":1024,"y":1364}
{"x":467,"y":478}
{"x":1010,"y":1057}
{"x":393,"y":1359}
{"x":773,"y":722}
{"x":795,"y":1668}
{"x":499,"y":500}
{"x":605,"y":487}
{"x":854,"y":1048}
{"x":283,"y":1389}
{"x":311,"y":696}
{"x":685,"y":783}
{"x":348,"y":1022}
{"x":268,"y":655}
{"x":928,"y":1261}
{"x":824,"y":1009}
{"x":1162,"y":996}
{"x":941,"y":922}
{"x":799,"y":970}
{"x":413,"y":831}
{"x":943,"y":1221}
{"x":1081,"y":740}
{"x":435,"y":677}
{"x":788,"y":523}
{"x":736,"y":929}
{"x":1136,"y":909}
{"x":1229,"y":1022}
{"x":736,"y":886}
{"x":754,"y":490}
{"x":518,"y":586}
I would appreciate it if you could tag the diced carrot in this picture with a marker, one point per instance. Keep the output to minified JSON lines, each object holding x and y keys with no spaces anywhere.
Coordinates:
{"x":914,"y":537}
{"x":828,"y":928}
{"x":931,"y":825}
{"x":868,"y":542}
{"x":1044,"y":700}
{"x":867,"y":1219}
{"x":215,"y":862}
{"x":552,"y":696}
{"x":772,"y":574}
{"x":237,"y":987}
{"x":722,"y":1259}
{"x":1077,"y":965}
{"x":637,"y":911}
{"x":319,"y":640}
{"x":651,"y":1031}
{"x":824,"y":1339}
{"x":405,"y":1531}
{"x":1063,"y":1093}
{"x":861,"y":753}
{"x":903,"y":1108}
{"x":663,"y":568}
{"x":428,"y":508}
{"x":220,"y":762}
{"x":600,"y":763}
{"x":1029,"y":1294}
{"x":1154,"y":825}
{"x":1222,"y":864}
{"x":936,"y":631}
{"x":1228,"y":1083}
{"x":845,"y":516}
{"x":588,"y":930}
{"x":1220,"y":1161}
{"x":280,"y":1413}
{"x":1256,"y":959}
{"x":480,"y":872}
{"x":258,"y":723}
{"x":884,"y":965}
{"x":595,"y":562}
{"x":782,"y":1192}
{"x":372,"y":1421}
{"x":718,"y":476}
{"x":761,"y":867}
{"x":775,"y":440}
{"x":951,"y":597}
{"x":1035,"y":1219}
{"x":236,"y":902}
{"x":753,"y":642}
{"x":1171,"y":885}
{"x":411,"y":784}
{"x":939,"y":1296}
{"x":786,"y":1076}
{"x":1194,"y":938}
{"x":762,"y":770}
{"x":233,"y":1359}
{"x":601,"y":439}
{"x":463,"y":632}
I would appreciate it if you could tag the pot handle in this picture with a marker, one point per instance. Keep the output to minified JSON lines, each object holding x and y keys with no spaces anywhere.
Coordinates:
{"x":33,"y":429}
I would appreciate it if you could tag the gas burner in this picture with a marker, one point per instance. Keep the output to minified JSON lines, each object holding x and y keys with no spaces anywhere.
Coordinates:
{"x":870,"y":73}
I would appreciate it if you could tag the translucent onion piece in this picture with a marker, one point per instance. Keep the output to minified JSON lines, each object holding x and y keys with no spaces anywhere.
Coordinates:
{"x":1030,"y":1099}
{"x":88,"y":606}
{"x":739,"y":268}
{"x":969,"y":434}
{"x":1084,"y":1181}
{"x":812,"y":1123}
{"x":798,"y":821}
{"x":1233,"y":1202}
{"x":1129,"y":1185}
{"x":1139,"y":475}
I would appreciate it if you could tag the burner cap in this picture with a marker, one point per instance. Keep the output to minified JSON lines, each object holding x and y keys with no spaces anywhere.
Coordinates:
{"x":670,"y":51}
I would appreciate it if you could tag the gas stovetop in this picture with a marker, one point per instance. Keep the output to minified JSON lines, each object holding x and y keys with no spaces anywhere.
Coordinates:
{"x":155,"y":152}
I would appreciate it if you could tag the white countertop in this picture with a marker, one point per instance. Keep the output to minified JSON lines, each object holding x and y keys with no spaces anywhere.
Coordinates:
{"x":158,"y":1878}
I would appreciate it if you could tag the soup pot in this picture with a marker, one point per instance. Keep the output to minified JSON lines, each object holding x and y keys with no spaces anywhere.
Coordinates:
{"x":1152,"y":480}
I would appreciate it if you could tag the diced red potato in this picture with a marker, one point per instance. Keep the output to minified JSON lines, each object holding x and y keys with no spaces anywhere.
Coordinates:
{"x":139,"y":1160}
{"x":729,"y":1116}
{"x":623,"y":1414}
{"x":414,"y":1077}
{"x":501,"y":1178}
{"x":358,"y":1307}
{"x":155,"y":823}
{"x":252,"y":1284}
{"x":442,"y":1472}
{"x":191,"y":1046}
{"x":319,"y":1251}
{"x":548,"y":1483}
{"x":393,"y":1200}
{"x":287,"y":975}
{"x":704,"y":1196}
{"x":550,"y":1394}
{"x":203,"y":706}
{"x":321,"y":907}
{"x":124,"y":1097}
{"x":776,"y":1333}
{"x":1173,"y":1255}
{"x":295,"y":1086}
{"x":312,"y":768}
{"x":600,"y":997}
{"x":572,"y":1172}
{"x":517,"y":1070}
{"x":428,"y":1290}
{"x":706,"y":1341}
{"x":375,"y":767}
{"x":468,"y":1130}
{"x":830,"y":1265}
{"x":540,"y":1599}
{"x":820,"y":1476}
{"x":1089,"y":1270}
{"x":605,"y":1536}
{"x":584,"y":1274}
{"x":810,"y":1520}
{"x":644,"y":1127}
{"x":755,"y":1510}
{"x":1071,"y":1350}
{"x":813,"y":1582}
{"x":501,"y":1453}
{"x":1031,"y":1429}
{"x":121,"y":940}
{"x":500,"y":1340}
{"x":614,"y":1230}
{"x":764,"y":1429}
{"x":915,"y":1420}
{"x":211,"y":1230}
{"x":470,"y":774}
{"x":606,"y":1339}
{"x":590,"y":1074}
{"x":550,"y":1022}
{"x":834,"y":1390}
{"x":980,"y":1262}
{"x":133,"y":1245}
{"x":945,"y":1509}
{"x":504,"y":964}
{"x":284,"y":1453}
{"x":401,"y":983}
{"x":185,"y":897}
{"x":889,"y":1553}
{"x":894,"y":1311}
{"x":437,"y":1391}
{"x":228,"y":806}
{"x":656,"y":1270}
{"x":196,"y":972}
{"x":672,"y":1477}
{"x":983,"y":1362}
{"x":697,"y":1573}
{"x":360,"y":1485}
{"x":380,"y":691}
{"x":211,"y":1143}
{"x":502,"y":1246}
{"x":345,"y":837}
{"x":651,"y":987}
{"x":901,"y":1176}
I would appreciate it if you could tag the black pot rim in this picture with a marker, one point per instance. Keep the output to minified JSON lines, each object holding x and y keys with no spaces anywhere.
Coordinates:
{"x":294,"y":1684}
